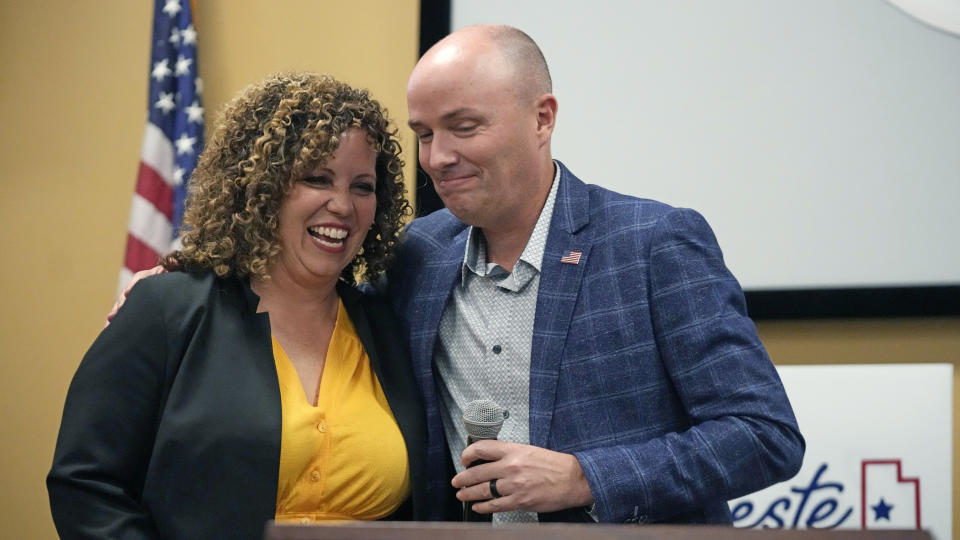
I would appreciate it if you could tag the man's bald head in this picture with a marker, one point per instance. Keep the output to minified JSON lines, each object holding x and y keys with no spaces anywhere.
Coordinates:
{"x":524,"y":54}
{"x":481,"y":106}
{"x":516,"y":50}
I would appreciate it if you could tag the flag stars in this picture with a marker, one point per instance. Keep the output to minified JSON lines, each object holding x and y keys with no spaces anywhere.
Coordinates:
{"x":172,"y":7}
{"x":183,"y":65}
{"x":194,"y":112}
{"x":165,"y":103}
{"x":185,"y":144}
{"x":189,"y":35}
{"x":173,"y":138}
{"x":882,"y":510}
{"x":161,"y":70}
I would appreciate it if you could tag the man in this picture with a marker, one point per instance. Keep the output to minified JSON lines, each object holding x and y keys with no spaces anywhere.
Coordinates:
{"x":608,"y":325}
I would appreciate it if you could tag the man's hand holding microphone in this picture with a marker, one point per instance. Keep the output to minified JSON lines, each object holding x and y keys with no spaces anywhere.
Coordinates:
{"x":506,"y":476}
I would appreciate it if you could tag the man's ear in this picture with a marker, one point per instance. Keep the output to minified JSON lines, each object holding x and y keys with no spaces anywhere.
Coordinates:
{"x":546,"y":106}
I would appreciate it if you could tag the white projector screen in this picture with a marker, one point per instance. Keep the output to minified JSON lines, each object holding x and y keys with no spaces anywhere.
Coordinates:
{"x":820,"y":139}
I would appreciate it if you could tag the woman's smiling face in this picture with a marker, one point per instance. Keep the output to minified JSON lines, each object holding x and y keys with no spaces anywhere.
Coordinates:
{"x":325,"y":217}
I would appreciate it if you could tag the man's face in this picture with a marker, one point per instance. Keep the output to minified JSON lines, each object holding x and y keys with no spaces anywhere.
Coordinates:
{"x":477,"y":138}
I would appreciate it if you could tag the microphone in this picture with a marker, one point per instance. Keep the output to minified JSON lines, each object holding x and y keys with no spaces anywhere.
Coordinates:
{"x":482,"y":419}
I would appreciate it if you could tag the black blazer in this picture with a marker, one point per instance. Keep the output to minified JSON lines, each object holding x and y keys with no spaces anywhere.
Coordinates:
{"x":171,"y":426}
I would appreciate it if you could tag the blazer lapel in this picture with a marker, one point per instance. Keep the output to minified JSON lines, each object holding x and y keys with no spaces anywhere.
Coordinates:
{"x":384,"y":356}
{"x":382,"y":343}
{"x":440,"y":276}
{"x":358,"y":316}
{"x":557,"y":296}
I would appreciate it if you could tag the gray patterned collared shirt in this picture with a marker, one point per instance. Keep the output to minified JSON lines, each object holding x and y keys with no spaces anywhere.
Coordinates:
{"x":485,"y":338}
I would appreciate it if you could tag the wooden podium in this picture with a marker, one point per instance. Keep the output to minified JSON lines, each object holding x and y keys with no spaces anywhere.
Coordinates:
{"x":399,"y":530}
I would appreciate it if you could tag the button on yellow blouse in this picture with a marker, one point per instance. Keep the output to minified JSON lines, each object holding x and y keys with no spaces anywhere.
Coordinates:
{"x":344,"y":458}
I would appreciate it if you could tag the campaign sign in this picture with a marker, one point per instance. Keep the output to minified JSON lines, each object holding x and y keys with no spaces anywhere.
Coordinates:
{"x":879,"y":451}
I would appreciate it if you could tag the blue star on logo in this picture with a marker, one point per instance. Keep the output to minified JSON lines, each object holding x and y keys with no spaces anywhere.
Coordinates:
{"x":882,"y":510}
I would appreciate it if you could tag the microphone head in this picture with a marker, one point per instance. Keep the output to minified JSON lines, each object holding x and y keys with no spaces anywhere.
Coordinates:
{"x":483,"y":419}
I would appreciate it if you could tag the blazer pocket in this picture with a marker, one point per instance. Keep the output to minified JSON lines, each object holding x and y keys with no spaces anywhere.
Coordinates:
{"x":601,"y":341}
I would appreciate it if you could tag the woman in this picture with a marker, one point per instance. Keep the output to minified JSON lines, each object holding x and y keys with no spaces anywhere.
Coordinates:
{"x":257,"y":383}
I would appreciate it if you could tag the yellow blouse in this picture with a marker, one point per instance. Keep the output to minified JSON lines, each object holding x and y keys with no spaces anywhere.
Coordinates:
{"x":344,"y":458}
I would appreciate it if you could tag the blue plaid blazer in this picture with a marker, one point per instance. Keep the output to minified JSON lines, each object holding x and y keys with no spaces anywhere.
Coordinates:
{"x":644,"y":363}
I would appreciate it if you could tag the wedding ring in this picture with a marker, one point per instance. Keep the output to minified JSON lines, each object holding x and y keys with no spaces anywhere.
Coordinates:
{"x":493,"y":489}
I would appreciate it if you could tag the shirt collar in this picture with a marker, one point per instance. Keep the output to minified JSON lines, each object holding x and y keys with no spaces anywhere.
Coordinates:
{"x":475,"y":252}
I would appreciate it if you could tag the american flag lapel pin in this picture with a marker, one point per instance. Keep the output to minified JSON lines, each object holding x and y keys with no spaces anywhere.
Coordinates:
{"x":571,"y":258}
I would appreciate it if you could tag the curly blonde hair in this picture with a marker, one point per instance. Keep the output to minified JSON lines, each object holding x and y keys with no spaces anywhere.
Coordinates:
{"x":272,"y":134}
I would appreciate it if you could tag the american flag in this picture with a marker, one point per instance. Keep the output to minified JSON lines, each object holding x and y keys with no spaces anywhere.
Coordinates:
{"x":571,"y":258}
{"x":172,"y":141}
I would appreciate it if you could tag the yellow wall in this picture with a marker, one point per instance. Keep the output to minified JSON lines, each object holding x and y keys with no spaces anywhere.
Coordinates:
{"x":72,"y":102}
